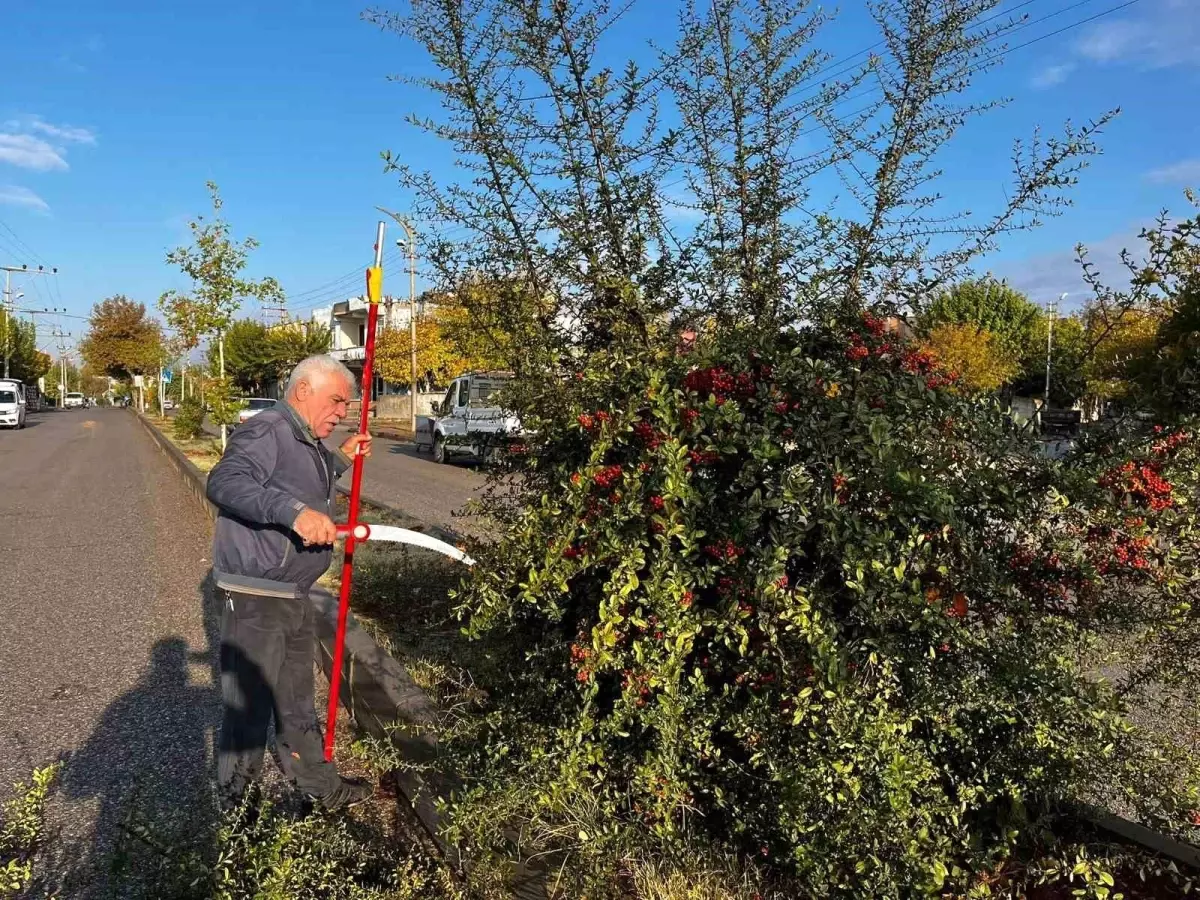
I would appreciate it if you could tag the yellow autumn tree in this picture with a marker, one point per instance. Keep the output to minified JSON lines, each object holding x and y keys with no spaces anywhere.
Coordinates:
{"x":1124,"y":345}
{"x":448,"y":345}
{"x":974,"y":353}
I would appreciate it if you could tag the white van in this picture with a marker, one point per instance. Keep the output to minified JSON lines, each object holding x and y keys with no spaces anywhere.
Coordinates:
{"x":73,"y":400}
{"x":12,"y":404}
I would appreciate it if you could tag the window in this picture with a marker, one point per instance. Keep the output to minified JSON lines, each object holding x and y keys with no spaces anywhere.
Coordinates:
{"x":362,"y":336}
{"x":448,"y":403}
{"x":462,"y":392}
{"x":482,"y":390}
{"x":8,"y":397}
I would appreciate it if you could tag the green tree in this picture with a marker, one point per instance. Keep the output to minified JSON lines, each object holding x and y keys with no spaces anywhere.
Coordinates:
{"x":214,"y":262}
{"x":122,"y":340}
{"x":1070,"y":352}
{"x":256,"y":354}
{"x":249,"y":359}
{"x":292,"y":342}
{"x":993,"y":305}
{"x":25,"y":362}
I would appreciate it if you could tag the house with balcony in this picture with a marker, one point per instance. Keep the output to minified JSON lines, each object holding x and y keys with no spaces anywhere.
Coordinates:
{"x":346,"y":321}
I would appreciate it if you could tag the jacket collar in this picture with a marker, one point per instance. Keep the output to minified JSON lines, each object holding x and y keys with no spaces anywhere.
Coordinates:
{"x":303,"y":431}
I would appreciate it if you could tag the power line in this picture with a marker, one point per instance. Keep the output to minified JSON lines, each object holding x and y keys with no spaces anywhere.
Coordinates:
{"x":53,"y":288}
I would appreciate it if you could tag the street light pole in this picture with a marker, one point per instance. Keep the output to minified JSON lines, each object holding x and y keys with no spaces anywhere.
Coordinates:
{"x":412,"y":314}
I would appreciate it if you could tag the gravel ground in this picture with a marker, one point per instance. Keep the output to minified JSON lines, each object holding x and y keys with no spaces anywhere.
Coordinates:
{"x":107,"y":658}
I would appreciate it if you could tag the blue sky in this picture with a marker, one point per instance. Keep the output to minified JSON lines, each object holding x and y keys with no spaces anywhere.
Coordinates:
{"x":114,"y":114}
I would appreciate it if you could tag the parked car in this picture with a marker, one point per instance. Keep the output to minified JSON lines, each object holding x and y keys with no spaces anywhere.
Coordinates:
{"x":468,"y":421}
{"x":168,"y":403}
{"x":254,"y":405}
{"x":73,"y":400}
{"x":9,"y":385}
{"x":12,"y":409}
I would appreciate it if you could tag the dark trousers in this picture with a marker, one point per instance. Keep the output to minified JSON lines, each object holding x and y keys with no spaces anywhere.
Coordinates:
{"x":267,"y":671}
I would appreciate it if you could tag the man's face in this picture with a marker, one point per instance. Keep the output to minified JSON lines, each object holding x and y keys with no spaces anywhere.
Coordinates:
{"x":322,"y":402}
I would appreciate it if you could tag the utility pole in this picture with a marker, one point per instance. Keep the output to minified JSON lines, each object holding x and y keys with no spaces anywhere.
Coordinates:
{"x":62,"y":364}
{"x":8,"y":301}
{"x":280,"y":311}
{"x":1050,"y":348}
{"x":412,"y":313}
{"x":34,"y":313}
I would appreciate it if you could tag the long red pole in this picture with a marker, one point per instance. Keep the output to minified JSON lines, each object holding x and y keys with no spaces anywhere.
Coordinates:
{"x":374,"y":290}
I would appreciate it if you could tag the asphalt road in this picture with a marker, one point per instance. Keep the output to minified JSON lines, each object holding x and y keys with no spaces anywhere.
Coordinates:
{"x":105,"y":657}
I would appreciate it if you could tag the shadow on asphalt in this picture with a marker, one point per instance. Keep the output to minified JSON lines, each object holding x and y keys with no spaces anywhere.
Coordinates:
{"x":148,"y":766}
{"x":409,"y":450}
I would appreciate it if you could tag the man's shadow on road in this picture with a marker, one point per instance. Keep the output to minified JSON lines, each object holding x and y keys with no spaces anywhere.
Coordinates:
{"x":149,"y":764}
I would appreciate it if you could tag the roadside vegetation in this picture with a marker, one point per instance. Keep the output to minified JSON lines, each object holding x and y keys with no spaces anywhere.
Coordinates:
{"x":780,"y":594}
{"x":22,"y":821}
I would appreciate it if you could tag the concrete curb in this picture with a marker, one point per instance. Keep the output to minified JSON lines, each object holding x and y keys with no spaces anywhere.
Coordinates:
{"x":193,"y":479}
{"x":1136,"y":833}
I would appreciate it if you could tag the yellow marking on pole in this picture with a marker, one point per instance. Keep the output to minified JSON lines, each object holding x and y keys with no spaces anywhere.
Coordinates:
{"x":374,"y":284}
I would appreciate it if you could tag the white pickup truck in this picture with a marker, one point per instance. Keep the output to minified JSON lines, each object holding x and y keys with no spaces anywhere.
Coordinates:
{"x":467,"y":421}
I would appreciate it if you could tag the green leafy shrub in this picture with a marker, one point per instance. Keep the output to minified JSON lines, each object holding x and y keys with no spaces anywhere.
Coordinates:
{"x":795,"y":601}
{"x":21,"y":830}
{"x":189,"y":419}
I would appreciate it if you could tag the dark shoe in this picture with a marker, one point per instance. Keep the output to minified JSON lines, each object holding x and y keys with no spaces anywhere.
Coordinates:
{"x":349,"y":792}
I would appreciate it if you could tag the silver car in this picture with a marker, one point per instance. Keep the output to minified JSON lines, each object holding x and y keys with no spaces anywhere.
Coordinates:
{"x":254,"y":405}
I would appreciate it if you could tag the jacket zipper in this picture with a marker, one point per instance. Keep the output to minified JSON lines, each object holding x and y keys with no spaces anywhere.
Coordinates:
{"x":326,"y":475}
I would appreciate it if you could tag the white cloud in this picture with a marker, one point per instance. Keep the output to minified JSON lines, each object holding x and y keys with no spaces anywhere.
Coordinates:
{"x":1185,"y":173}
{"x":1044,"y":276}
{"x":14,"y":195}
{"x":30,"y":152}
{"x":33,"y":143}
{"x":1165,"y":36}
{"x":70,"y":134}
{"x":1051,"y":76}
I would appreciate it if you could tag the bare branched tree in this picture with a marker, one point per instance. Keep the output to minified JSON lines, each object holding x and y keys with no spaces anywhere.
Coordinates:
{"x":618,"y":201}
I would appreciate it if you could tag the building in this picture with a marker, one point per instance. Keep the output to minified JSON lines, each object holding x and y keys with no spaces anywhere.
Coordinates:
{"x":346,"y":321}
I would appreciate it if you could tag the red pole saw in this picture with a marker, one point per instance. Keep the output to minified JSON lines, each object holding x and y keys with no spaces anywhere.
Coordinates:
{"x":354,"y":531}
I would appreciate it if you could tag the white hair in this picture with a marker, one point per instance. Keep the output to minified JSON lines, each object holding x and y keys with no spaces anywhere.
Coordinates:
{"x":317,"y":367}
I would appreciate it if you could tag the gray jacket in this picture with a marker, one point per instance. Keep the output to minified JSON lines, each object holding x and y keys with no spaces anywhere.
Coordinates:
{"x":273,"y":468}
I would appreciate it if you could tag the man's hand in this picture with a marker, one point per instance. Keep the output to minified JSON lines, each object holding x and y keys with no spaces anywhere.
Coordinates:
{"x":314,"y":528}
{"x":360,"y":443}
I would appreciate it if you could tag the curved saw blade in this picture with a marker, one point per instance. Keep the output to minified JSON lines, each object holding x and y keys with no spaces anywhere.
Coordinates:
{"x":394,"y":535}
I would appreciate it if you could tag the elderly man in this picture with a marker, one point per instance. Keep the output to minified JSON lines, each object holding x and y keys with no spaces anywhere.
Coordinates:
{"x":275,"y":489}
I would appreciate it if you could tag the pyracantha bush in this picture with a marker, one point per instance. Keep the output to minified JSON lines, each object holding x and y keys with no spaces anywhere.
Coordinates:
{"x":800,"y":599}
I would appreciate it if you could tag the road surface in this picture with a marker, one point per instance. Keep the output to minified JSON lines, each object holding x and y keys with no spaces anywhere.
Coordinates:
{"x":106,"y":643}
{"x":399,"y":476}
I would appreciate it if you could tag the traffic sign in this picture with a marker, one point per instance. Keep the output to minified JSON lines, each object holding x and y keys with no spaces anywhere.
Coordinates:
{"x":167,"y":376}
